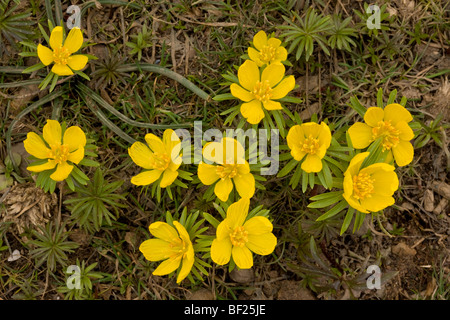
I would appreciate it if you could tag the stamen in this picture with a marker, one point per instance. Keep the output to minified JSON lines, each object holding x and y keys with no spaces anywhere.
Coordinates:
{"x":239,"y":237}
{"x":227,"y":171}
{"x":310,"y":145}
{"x":389,"y":134}
{"x":362,"y":186}
{"x":262,"y":91}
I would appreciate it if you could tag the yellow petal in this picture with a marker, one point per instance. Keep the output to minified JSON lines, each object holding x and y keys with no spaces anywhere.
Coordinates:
{"x":282,"y":54}
{"x":171,"y":141}
{"x":324,"y":135}
{"x":355,"y":163}
{"x":252,"y":111}
{"x":245,"y":185}
{"x":141,"y":155}
{"x":207,"y":173}
{"x":406,"y":133}
{"x":184,"y":235}
{"x":223,"y":188}
{"x":221,"y":251}
{"x":385,"y":182}
{"x":146,"y":177}
{"x":56,"y":38}
{"x":240,"y":93}
{"x":262,"y":244}
{"x":258,"y":225}
{"x":283,"y":88}
{"x":62,"y":171}
{"x":45,"y":54}
{"x":168,"y":178}
{"x":52,"y":133}
{"x":76,"y":156}
{"x":273,"y":73}
{"x":77,"y":62}
{"x":373,"y":115}
{"x":74,"y":138}
{"x":155,"y":143}
{"x":360,"y":135}
{"x":348,"y":185}
{"x":243,"y":257}
{"x":237,"y":213}
{"x":223,"y":230}
{"x":232,"y":151}
{"x":35,"y":146}
{"x":272,"y":105}
{"x":260,"y":40}
{"x":403,"y":153}
{"x":167,"y":266}
{"x":297,"y":153}
{"x":295,"y":136}
{"x":248,"y":75}
{"x":62,"y":70}
{"x":50,"y":164}
{"x":355,"y":204}
{"x":395,"y":113}
{"x":312,"y":163}
{"x":186,"y":264}
{"x":274,"y":42}
{"x":74,"y":40}
{"x":377,"y":202}
{"x":155,"y":249}
{"x":163,"y":231}
{"x":311,"y":129}
{"x":255,"y":55}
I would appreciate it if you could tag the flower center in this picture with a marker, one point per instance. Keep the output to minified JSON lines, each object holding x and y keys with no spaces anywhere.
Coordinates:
{"x":179,"y":248}
{"x":310,"y":145}
{"x":262,"y":91}
{"x":160,"y":161}
{"x":227,"y":171}
{"x":59,"y":153}
{"x":389,"y":134}
{"x":267,"y":54}
{"x":61,"y":55}
{"x":362,"y":186}
{"x":239,"y":237}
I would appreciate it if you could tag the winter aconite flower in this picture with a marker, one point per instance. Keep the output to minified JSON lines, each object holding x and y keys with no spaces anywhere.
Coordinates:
{"x":310,"y":141}
{"x":391,"y":125}
{"x":230,"y":167}
{"x":173,"y":245}
{"x":159,"y":158}
{"x":266,"y":51}
{"x":61,"y":150}
{"x":61,"y":53}
{"x":369,"y":189}
{"x":237,"y":237}
{"x":260,"y":90}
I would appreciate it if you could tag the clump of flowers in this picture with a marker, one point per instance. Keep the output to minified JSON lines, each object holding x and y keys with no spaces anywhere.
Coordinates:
{"x":309,"y":141}
{"x":173,"y":246}
{"x":237,"y":237}
{"x":58,"y":149}
{"x":260,"y":89}
{"x":160,"y":159}
{"x":369,"y":189}
{"x":61,"y":52}
{"x":390,"y":125}
{"x":229,"y":167}
{"x":266,"y":50}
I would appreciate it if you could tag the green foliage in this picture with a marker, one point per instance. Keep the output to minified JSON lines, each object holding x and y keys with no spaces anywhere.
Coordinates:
{"x":85,"y":274}
{"x":13,"y":26}
{"x":305,"y":32}
{"x":340,"y":36}
{"x":51,"y":245}
{"x":109,"y":71}
{"x":92,"y":206}
{"x":141,"y":41}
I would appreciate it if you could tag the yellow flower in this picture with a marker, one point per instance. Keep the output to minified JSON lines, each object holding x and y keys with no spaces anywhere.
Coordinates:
{"x":238,"y":238}
{"x":390,"y":124}
{"x":229,"y":155}
{"x":160,"y":157}
{"x":266,"y":51}
{"x":369,"y":189}
{"x":259,"y":90}
{"x":59,"y":150}
{"x":62,"y":54}
{"x":311,"y":140}
{"x":173,"y":247}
